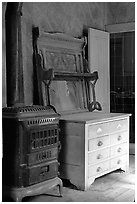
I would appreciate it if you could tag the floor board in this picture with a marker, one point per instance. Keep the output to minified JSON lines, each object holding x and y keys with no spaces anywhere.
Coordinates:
{"x":112,"y":187}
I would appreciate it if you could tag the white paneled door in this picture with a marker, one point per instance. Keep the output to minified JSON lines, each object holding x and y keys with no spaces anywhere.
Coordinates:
{"x":98,"y":58}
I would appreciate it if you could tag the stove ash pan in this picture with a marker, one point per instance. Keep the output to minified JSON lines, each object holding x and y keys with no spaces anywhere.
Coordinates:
{"x":30,"y":145}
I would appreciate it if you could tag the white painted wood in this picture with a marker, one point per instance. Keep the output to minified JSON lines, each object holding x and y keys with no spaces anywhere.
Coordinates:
{"x":98,"y":169}
{"x":87,"y":160}
{"x":98,"y":156}
{"x":121,"y":27}
{"x":98,"y":143}
{"x":94,"y":117}
{"x":118,"y":150}
{"x":97,"y":130}
{"x":118,"y":161}
{"x":119,"y":137}
{"x":98,"y":58}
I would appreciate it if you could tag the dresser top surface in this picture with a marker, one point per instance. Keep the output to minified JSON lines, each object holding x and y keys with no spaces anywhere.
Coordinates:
{"x":92,"y":117}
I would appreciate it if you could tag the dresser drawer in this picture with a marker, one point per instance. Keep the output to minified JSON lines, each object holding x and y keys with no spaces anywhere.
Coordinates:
{"x":118,"y":125}
{"x":118,"y":161}
{"x":98,"y":169}
{"x":97,"y":130}
{"x":98,"y":156}
{"x":98,"y":143}
{"x":119,"y":137}
{"x":118,"y":150}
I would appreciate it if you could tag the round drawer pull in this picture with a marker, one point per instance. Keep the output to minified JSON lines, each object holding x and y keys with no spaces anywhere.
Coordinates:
{"x":100,"y":143}
{"x":119,"y":138}
{"x":119,"y":149}
{"x":99,"y":156}
{"x":99,"y":169}
{"x":119,"y":161}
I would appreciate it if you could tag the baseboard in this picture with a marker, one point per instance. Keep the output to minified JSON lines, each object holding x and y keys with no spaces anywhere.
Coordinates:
{"x":132,"y":148}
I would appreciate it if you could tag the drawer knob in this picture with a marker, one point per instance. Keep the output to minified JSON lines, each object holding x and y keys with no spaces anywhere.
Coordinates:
{"x":119,"y":126}
{"x":100,"y":143}
{"x":119,"y":149}
{"x":99,"y":130}
{"x":99,"y":156}
{"x":99,"y":169}
{"x":119,"y":161}
{"x":119,"y":138}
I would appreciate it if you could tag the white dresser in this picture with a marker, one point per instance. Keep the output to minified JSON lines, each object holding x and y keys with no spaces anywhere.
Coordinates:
{"x":93,"y":144}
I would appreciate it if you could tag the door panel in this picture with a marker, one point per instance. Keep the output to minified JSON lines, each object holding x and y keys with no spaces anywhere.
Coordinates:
{"x":98,"y":57}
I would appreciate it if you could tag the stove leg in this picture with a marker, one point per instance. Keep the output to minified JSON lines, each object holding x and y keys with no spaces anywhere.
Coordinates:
{"x":17,"y":198}
{"x":17,"y":194}
{"x":13,"y":193}
{"x":60,"y":188}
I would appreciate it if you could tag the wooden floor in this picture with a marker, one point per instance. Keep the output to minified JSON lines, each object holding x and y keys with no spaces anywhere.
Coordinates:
{"x":113,"y":187}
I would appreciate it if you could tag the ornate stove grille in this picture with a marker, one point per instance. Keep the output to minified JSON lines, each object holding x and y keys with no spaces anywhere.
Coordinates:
{"x":42,"y":139}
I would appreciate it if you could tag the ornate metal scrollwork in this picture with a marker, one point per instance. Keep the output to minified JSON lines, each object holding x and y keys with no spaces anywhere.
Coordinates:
{"x":94,"y":105}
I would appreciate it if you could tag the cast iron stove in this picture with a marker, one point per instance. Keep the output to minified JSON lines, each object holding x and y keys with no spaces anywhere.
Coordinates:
{"x":30,"y":150}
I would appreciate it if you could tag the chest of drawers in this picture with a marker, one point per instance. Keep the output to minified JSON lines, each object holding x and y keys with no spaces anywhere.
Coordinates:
{"x":93,"y":144}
